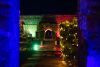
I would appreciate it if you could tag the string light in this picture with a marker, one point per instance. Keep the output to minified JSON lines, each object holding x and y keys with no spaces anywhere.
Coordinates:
{"x":75,"y":33}
{"x":61,"y":28}
{"x":67,"y":25}
{"x":67,"y":21}
{"x":75,"y":25}
{"x":77,"y":45}
{"x":61,"y":37}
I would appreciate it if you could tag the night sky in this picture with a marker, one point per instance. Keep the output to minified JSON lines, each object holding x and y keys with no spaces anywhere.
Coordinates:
{"x":37,"y":7}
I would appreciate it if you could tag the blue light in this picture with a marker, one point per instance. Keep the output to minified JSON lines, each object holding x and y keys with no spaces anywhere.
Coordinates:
{"x":93,"y":58}
{"x":93,"y":61}
{"x":9,"y":33}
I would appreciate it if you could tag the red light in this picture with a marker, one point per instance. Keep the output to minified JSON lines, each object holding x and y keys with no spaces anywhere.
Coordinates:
{"x":62,"y":18}
{"x":58,"y":34}
{"x":42,"y":46}
{"x":57,"y":48}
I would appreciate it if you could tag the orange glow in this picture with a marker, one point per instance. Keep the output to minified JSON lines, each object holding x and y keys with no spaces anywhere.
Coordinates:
{"x":62,"y":18}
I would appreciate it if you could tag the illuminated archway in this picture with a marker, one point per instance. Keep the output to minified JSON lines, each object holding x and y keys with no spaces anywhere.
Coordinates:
{"x":48,"y":34}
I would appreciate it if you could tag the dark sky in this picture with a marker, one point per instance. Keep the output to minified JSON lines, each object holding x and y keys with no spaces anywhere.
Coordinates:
{"x":31,"y":7}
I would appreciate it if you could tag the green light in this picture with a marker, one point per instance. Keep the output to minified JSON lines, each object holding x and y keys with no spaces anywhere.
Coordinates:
{"x":31,"y":23}
{"x":35,"y":47}
{"x":31,"y":29}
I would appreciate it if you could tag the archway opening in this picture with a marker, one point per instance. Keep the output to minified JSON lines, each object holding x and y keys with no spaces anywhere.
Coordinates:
{"x":48,"y":34}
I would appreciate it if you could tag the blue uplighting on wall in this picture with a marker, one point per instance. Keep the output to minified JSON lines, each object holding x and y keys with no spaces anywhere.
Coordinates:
{"x":83,"y":25}
{"x":83,"y":7}
{"x":9,"y":33}
{"x":83,"y":12}
{"x":91,"y":34}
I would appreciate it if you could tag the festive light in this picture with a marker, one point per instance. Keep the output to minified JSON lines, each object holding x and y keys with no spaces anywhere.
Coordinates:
{"x":61,"y":37}
{"x":75,"y":25}
{"x":35,"y":47}
{"x":63,"y":18}
{"x":67,"y":25}
{"x":63,"y":46}
{"x":67,"y":21}
{"x":31,"y":29}
{"x":77,"y":44}
{"x":76,"y":33}
{"x":66,"y":55}
{"x":48,"y":29}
